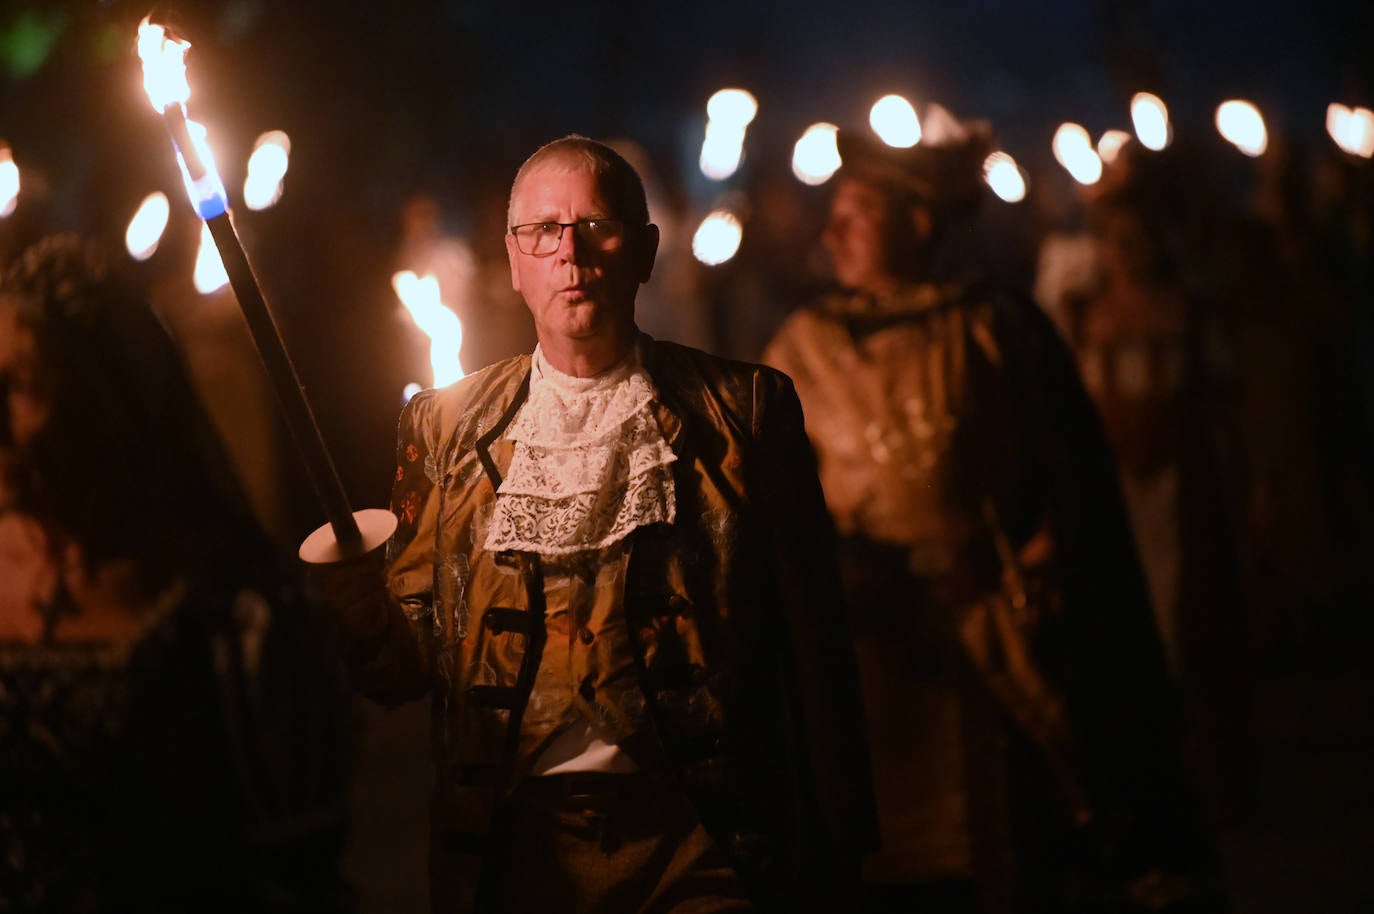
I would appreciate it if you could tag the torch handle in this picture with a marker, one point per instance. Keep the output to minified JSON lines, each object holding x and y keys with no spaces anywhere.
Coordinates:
{"x":174,"y":118}
{"x":285,"y":383}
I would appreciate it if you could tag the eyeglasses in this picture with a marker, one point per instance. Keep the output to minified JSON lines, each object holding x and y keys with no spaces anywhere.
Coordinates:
{"x":541,"y":239}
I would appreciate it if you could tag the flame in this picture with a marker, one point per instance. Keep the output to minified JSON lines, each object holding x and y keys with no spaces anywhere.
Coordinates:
{"x":9,"y":182}
{"x":816,"y":157}
{"x":728,"y":113}
{"x":1074,"y":150}
{"x":1004,"y":177}
{"x":1240,"y":123}
{"x":732,"y":107}
{"x":717,"y":238}
{"x":420,"y":295}
{"x":1151,"y":119}
{"x":207,"y":193}
{"x":722,"y":150}
{"x":146,"y":227}
{"x":209,"y":276}
{"x":1352,"y":129}
{"x":895,"y":121}
{"x":164,"y":66}
{"x":1110,"y":143}
{"x":266,"y":167}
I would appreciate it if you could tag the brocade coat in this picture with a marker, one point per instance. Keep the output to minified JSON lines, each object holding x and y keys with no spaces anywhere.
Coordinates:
{"x":747,"y":679}
{"x":1013,"y":675}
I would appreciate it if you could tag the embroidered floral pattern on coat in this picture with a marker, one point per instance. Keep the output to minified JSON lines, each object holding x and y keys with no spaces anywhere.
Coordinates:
{"x":590,"y":463}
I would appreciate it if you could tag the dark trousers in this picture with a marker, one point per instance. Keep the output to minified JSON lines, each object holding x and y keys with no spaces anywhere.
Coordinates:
{"x":612,"y":844}
{"x":952,"y":897}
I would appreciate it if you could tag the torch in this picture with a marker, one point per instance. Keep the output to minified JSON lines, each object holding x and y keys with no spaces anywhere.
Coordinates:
{"x":348,"y":533}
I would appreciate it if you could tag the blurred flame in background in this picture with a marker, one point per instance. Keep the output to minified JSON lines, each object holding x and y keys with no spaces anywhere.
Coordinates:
{"x":895,"y":122}
{"x":1074,"y":150}
{"x":732,"y":106}
{"x":9,"y":182}
{"x":266,"y":168}
{"x":718,"y":237}
{"x":1110,"y":143}
{"x":815,"y":157}
{"x":1241,"y":124}
{"x":146,"y":227}
{"x":210,"y":275}
{"x":729,"y":112}
{"x":420,"y":295}
{"x":1351,"y":129}
{"x":1004,"y":177}
{"x":1151,"y":119}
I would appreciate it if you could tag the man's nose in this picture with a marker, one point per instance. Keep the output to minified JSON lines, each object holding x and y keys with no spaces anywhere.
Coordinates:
{"x":571,"y":246}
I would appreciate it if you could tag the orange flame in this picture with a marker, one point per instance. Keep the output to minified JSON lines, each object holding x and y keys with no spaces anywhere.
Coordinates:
{"x":420,"y":295}
{"x":164,"y":66}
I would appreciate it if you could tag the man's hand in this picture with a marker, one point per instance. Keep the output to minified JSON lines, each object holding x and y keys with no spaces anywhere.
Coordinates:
{"x":355,"y":591}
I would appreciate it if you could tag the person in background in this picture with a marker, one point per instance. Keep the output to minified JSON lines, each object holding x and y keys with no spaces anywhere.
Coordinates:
{"x":613,"y":574}
{"x":1019,"y":714}
{"x":172,"y":734}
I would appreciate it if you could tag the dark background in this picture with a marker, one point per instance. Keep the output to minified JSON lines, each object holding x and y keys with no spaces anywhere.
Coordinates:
{"x":385,"y":101}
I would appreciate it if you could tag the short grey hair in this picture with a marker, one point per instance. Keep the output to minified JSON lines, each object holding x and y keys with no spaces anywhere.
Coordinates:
{"x":618,"y":176}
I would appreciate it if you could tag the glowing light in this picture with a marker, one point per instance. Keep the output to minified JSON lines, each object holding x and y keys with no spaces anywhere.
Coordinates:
{"x":1352,"y":129}
{"x":717,"y":238}
{"x":9,"y":182}
{"x":207,"y":193}
{"x":895,"y":121}
{"x":722,"y":150}
{"x":1110,"y":143}
{"x":732,"y":108}
{"x":1004,"y":177}
{"x":728,"y":113}
{"x":209,"y":276}
{"x":266,"y":167}
{"x":146,"y":227}
{"x":1241,"y":125}
{"x":1151,"y":120}
{"x":1074,"y":150}
{"x":409,"y":391}
{"x":816,"y":157}
{"x":164,"y":66}
{"x":420,"y":295}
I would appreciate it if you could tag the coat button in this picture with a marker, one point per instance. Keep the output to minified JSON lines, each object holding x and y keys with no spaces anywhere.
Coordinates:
{"x":586,"y":635}
{"x":679,"y":605}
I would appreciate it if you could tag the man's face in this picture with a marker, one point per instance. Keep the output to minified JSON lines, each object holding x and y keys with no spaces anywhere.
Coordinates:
{"x":579,"y":291}
{"x":25,"y":406}
{"x":858,"y":236}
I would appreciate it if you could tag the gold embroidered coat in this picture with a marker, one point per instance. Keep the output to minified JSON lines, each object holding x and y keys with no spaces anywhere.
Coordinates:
{"x":733,"y":613}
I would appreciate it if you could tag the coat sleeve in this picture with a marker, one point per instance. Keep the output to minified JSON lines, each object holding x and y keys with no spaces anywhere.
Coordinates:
{"x":391,"y":640}
{"x":822,"y":671}
{"x":1105,"y":649}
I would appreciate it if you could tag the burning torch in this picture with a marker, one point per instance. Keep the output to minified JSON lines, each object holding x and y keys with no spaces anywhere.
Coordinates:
{"x":348,"y":533}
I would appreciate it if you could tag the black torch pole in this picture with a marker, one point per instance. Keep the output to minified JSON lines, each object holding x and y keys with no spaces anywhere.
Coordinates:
{"x":281,"y":372}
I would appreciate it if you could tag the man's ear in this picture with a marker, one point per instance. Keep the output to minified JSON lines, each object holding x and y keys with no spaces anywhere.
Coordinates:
{"x":647,"y":250}
{"x":512,"y":252}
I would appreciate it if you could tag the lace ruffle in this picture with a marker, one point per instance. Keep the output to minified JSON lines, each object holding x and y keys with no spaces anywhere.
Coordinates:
{"x":590,"y":463}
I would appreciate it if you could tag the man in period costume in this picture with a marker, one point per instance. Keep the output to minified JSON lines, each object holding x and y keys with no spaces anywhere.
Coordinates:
{"x":1018,"y":710}
{"x":614,"y":573}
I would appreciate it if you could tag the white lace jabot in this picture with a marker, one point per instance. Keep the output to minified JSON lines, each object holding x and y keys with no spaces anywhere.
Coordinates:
{"x":590,"y":463}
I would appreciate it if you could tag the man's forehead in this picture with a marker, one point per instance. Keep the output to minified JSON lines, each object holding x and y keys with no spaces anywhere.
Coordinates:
{"x":545,"y":181}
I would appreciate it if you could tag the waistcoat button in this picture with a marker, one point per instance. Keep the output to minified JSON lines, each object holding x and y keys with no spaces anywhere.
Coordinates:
{"x":586,"y":635}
